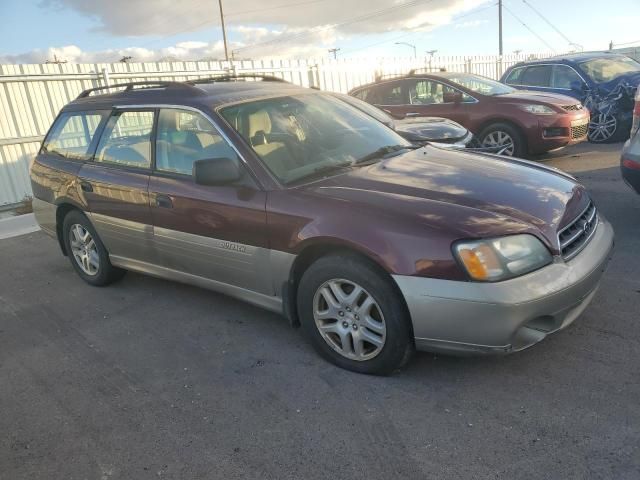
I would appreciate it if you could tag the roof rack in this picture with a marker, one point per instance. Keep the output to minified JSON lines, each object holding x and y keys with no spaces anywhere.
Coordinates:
{"x":428,"y":70}
{"x":389,"y":75}
{"x":127,"y":87}
{"x":239,"y":76}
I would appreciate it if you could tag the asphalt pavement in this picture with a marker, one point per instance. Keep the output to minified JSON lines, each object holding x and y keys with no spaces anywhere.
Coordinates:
{"x":150,"y":379}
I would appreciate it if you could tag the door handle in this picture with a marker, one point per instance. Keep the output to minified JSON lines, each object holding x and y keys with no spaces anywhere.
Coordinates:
{"x":413,"y":114}
{"x":164,"y":201}
{"x":86,"y":186}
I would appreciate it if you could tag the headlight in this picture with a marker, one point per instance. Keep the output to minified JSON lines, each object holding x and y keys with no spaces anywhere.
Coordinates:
{"x":496,"y":259}
{"x":538,"y":109}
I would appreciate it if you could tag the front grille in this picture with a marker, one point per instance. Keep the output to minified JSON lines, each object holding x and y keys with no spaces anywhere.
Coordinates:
{"x":573,"y":108}
{"x":575,"y":236}
{"x":579,"y":131}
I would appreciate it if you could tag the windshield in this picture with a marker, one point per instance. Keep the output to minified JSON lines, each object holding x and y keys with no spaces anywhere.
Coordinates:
{"x":367,"y":108}
{"x":606,"y":69}
{"x":481,"y":85}
{"x":304,"y":135}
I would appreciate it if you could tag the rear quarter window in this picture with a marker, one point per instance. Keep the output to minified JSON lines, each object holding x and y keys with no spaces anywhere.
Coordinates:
{"x":72,"y":134}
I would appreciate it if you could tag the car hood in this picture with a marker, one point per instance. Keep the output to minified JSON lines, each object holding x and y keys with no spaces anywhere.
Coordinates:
{"x":537,"y":97}
{"x":471,"y":195}
{"x":432,"y":128}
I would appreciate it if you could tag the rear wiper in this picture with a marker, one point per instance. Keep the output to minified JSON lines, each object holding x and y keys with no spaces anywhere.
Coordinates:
{"x":386,"y":150}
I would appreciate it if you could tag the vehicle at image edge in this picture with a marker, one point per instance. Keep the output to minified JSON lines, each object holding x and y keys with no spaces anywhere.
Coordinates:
{"x":630,"y":159}
{"x":604,"y":82}
{"x":521,"y":123}
{"x":290,"y":199}
{"x":435,"y":130}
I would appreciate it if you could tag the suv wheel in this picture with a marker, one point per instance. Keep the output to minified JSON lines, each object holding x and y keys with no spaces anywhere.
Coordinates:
{"x":353,"y":316}
{"x":603,"y":128}
{"x":504,"y":138}
{"x":86,"y":251}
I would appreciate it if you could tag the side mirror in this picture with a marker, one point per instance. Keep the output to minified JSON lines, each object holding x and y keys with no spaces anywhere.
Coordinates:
{"x":216,"y":171}
{"x":452,"y":97}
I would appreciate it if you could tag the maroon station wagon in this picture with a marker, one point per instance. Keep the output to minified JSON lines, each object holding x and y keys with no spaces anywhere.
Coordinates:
{"x":293,"y":200}
{"x":520,"y":122}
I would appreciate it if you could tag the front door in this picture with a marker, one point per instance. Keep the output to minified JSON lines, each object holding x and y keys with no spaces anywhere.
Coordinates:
{"x":215,"y":232}
{"x":115,"y":185}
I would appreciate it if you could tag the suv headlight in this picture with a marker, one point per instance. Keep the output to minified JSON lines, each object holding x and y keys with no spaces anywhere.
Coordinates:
{"x":538,"y":109}
{"x":492,"y":260}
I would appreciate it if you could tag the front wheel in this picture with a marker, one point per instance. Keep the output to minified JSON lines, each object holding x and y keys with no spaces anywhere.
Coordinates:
{"x":353,"y":316}
{"x":604,"y":128}
{"x":87,"y":253}
{"x":504,"y":139}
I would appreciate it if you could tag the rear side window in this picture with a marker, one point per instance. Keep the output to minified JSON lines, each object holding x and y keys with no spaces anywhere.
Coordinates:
{"x":537,"y":76}
{"x":72,"y":134}
{"x":127,"y":139}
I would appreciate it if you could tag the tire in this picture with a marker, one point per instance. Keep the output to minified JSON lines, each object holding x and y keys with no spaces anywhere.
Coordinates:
{"x":97,"y":269}
{"x":378,"y":313}
{"x":605,"y":128}
{"x":497,"y":134}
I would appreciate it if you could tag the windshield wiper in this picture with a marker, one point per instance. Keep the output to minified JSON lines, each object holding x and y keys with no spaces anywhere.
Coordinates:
{"x":321,"y":170}
{"x":382,"y":151}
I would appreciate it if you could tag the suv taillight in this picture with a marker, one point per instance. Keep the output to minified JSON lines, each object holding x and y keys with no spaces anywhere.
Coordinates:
{"x":636,"y":113}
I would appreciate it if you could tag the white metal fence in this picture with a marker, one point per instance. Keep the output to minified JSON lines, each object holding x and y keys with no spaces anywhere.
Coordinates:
{"x":32,"y":95}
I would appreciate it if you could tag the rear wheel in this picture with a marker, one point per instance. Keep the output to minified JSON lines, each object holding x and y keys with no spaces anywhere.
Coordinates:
{"x":86,"y":251}
{"x":353,"y":315}
{"x":504,"y":138}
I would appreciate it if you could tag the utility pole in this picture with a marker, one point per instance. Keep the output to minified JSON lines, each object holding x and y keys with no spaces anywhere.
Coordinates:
{"x":335,"y":52}
{"x":224,"y":32}
{"x":500,"y":27}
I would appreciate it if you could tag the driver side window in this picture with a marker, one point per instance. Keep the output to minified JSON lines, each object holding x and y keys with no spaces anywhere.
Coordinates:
{"x":185,"y":136}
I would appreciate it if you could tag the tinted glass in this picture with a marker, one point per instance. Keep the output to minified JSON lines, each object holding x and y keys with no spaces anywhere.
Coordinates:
{"x":537,"y":76}
{"x":301,"y":136}
{"x":184,"y":137}
{"x":388,"y":94}
{"x":606,"y":69}
{"x":72,"y":134}
{"x":481,"y":85}
{"x":127,"y":139}
{"x":428,"y":92}
{"x":515,"y":76}
{"x":564,"y":76}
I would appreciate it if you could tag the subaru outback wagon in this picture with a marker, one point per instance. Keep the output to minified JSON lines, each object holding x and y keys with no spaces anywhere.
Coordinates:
{"x":293,"y":200}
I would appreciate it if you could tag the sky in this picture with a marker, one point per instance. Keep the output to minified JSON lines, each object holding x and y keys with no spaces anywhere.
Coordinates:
{"x":87,"y":31}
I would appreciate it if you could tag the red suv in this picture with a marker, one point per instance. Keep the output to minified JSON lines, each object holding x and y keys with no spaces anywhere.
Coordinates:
{"x":521,"y":122}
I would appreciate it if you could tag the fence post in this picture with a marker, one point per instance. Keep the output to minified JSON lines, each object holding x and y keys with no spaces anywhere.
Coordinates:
{"x":105,"y":77}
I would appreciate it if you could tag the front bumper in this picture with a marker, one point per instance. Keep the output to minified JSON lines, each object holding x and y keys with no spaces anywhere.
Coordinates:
{"x":554,"y":133}
{"x":471,"y":317}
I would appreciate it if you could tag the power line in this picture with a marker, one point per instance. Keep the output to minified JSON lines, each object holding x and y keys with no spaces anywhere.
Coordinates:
{"x":548,"y":22}
{"x":340,"y":24}
{"x":626,"y":43}
{"x":458,"y":17}
{"x":244,"y":12}
{"x":528,"y":28}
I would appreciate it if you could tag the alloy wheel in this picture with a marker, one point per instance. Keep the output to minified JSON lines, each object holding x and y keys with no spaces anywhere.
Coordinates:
{"x":501,"y":141}
{"x":349,"y":319}
{"x":602,"y":127}
{"x":84,"y":249}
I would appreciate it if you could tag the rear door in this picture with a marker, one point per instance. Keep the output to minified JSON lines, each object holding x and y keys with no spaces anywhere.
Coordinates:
{"x":115,"y":184}
{"x":214,"y":232}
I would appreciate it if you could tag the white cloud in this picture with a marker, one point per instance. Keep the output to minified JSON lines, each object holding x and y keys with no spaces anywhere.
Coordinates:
{"x":304,"y":29}
{"x":470,"y":24}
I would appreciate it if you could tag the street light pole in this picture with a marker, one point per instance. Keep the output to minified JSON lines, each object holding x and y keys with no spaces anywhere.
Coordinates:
{"x":415,"y":54}
{"x":224,"y":32}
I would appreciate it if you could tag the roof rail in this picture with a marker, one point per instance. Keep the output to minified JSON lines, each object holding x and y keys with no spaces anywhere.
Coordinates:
{"x":413,"y":71}
{"x":239,"y":76}
{"x":127,"y":87}
{"x":389,"y":75}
